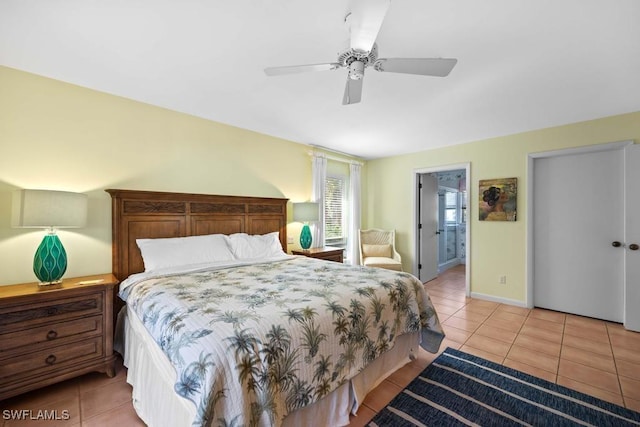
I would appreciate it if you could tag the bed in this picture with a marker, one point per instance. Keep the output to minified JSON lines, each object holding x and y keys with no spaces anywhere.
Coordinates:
{"x":246,"y":334}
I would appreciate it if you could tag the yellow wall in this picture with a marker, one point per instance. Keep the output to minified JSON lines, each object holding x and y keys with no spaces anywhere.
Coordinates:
{"x":59,"y":136}
{"x":497,"y":248}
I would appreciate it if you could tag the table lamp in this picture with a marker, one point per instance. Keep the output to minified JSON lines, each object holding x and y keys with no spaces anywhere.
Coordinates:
{"x":50,"y":210}
{"x":306,"y":212}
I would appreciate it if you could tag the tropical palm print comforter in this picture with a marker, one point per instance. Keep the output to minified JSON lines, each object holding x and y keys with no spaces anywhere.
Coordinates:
{"x":252,"y":343}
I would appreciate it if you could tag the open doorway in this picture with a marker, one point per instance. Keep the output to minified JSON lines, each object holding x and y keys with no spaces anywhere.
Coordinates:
{"x":452,"y":219}
{"x":441,"y":226}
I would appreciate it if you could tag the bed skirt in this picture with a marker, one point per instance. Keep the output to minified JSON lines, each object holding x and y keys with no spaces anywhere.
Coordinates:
{"x":152,"y":378}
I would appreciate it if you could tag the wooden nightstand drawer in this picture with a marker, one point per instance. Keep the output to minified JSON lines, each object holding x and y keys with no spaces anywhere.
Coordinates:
{"x":50,"y":334}
{"x":52,"y":358}
{"x":326,"y":253}
{"x":333,"y":257}
{"x":21,"y":316}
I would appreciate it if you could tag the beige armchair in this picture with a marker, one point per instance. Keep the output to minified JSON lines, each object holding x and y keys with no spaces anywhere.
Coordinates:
{"x":378,"y":249}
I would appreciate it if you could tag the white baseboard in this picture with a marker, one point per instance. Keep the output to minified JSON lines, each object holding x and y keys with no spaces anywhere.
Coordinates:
{"x":499,"y":299}
{"x":447,"y":265}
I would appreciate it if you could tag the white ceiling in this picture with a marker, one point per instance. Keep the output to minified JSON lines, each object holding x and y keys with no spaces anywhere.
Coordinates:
{"x":522,"y":64}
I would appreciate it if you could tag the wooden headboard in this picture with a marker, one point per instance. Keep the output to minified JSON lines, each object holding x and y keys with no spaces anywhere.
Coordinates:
{"x":151,"y":214}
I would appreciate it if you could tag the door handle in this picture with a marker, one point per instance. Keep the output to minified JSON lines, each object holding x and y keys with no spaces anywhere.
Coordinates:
{"x":616,"y":244}
{"x":634,"y":246}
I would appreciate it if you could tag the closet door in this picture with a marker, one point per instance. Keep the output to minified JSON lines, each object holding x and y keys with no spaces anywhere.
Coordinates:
{"x":578,"y":209}
{"x":632,"y":237}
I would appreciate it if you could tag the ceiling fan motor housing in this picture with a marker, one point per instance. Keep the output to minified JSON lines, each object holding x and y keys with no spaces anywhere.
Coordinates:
{"x":357,"y":61}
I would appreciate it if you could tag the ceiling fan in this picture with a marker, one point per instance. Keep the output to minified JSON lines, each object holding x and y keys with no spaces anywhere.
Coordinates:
{"x":365,"y":19}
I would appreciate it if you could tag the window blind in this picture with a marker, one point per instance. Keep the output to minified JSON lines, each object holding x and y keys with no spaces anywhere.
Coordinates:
{"x":334,"y":209}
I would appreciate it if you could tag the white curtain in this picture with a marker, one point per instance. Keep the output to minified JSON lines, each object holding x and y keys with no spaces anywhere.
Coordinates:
{"x":319,"y":176}
{"x":353,"y":253}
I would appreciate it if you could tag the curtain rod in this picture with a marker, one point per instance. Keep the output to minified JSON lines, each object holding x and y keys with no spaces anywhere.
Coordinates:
{"x":336,"y":158}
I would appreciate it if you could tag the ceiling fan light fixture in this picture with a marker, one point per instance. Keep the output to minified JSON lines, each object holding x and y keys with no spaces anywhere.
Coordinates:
{"x":356,"y":70}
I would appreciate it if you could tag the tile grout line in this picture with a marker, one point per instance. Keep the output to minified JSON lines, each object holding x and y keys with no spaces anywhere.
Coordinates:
{"x":515,"y":338}
{"x":564,"y":325}
{"x":481,"y":323}
{"x":592,"y":367}
{"x":79,"y":402}
{"x":615,"y":365}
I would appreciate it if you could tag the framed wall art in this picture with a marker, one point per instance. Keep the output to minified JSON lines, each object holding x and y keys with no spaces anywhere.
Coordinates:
{"x":498,"y":199}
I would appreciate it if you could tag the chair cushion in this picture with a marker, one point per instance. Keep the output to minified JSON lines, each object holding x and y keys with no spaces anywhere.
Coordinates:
{"x":383,"y":251}
{"x":382,"y":262}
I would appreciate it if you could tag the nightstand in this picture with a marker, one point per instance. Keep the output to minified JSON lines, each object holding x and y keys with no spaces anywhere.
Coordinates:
{"x":327,"y":253}
{"x":52,"y":333}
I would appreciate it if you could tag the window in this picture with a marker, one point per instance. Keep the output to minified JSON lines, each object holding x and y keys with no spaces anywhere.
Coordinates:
{"x":335,"y":208}
{"x":451,"y":206}
{"x":455,"y":206}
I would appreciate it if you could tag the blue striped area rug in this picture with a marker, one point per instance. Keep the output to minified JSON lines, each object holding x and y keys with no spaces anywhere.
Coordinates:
{"x":460,"y":389}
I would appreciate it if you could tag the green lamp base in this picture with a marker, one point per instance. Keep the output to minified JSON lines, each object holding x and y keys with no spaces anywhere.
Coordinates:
{"x":305,"y":237}
{"x":50,"y":260}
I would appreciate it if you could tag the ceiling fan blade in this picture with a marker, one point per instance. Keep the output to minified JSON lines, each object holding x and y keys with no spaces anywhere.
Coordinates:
{"x":352,"y":91}
{"x":293,"y":69}
{"x":439,"y":67}
{"x":365,"y":21}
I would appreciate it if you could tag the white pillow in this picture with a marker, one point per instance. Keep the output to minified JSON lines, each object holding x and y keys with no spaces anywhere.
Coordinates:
{"x":179,"y":251}
{"x":245,"y":246}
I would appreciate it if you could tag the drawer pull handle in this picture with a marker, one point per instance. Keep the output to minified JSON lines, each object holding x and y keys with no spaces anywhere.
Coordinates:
{"x":50,"y":360}
{"x":52,"y":310}
{"x":52,"y":335}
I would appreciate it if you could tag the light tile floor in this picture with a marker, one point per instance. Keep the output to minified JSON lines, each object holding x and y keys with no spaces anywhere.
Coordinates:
{"x":91,"y":400}
{"x":592,"y":356}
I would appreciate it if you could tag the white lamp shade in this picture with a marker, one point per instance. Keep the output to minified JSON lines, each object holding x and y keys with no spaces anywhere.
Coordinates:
{"x":45,"y":209}
{"x":306,"y":212}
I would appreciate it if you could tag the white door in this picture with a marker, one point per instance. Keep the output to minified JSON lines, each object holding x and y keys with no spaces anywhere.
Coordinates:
{"x":632,"y":237}
{"x":578,"y":207}
{"x":428,"y":226}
